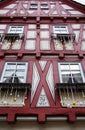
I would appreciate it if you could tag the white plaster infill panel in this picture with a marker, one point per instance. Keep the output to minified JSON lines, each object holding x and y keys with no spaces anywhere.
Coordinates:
{"x":42,"y":64}
{"x":44,"y":45}
{"x":31,"y":34}
{"x":50,"y":80}
{"x":2,"y":12}
{"x":30,"y":44}
{"x":43,"y":100}
{"x":35,"y":81}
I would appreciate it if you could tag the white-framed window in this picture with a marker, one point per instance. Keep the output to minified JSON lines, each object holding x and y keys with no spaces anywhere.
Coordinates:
{"x":14,"y":72}
{"x":44,"y":6}
{"x":60,"y":29}
{"x":16,"y":29}
{"x":13,"y":38}
{"x":71,"y":72}
{"x":33,"y":6}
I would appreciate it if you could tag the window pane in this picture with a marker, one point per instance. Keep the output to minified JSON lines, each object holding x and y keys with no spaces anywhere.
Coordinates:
{"x":44,"y":5}
{"x":65,"y":72}
{"x":77,"y":78}
{"x":64,"y":67}
{"x":11,"y":66}
{"x":76,"y":72}
{"x":34,"y":5}
{"x":21,"y":79}
{"x":67,"y":79}
{"x":20,"y":74}
{"x":9,"y":73}
{"x":20,"y":66}
{"x":74,"y":67}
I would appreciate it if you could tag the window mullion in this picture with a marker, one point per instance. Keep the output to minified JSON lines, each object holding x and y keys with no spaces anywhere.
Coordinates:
{"x":81,"y":71}
{"x":14,"y":74}
{"x":71,"y":73}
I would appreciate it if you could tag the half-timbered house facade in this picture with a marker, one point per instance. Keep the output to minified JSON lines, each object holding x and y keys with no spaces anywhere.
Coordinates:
{"x":42,"y":59}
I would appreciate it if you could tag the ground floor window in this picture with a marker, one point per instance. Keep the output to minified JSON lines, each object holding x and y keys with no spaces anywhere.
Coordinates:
{"x":14,"y":72}
{"x":71,"y":72}
{"x":71,"y":88}
{"x":13,"y":90}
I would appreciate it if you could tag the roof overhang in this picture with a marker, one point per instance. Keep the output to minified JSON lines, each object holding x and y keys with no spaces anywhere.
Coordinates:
{"x":5,"y":2}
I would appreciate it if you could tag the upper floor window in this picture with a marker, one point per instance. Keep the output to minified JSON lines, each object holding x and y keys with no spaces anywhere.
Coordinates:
{"x":13,"y":38}
{"x":12,"y":93}
{"x":71,"y":87}
{"x":60,"y":29}
{"x":16,"y":29}
{"x":62,"y":38}
{"x":44,"y":6}
{"x":71,"y":72}
{"x":33,"y":6}
{"x":14,"y":72}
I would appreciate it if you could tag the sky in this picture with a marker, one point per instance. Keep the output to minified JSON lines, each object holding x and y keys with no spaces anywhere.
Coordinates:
{"x":80,"y":1}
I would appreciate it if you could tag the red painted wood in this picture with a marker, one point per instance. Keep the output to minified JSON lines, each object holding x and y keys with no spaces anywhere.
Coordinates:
{"x":6,"y":2}
{"x":41,"y":84}
{"x":38,"y":40}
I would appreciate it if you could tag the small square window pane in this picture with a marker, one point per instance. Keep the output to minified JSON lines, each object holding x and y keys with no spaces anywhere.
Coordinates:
{"x":76,"y":72}
{"x":64,"y":67}
{"x":20,"y":67}
{"x":74,"y":67}
{"x":33,"y":5}
{"x":66,"y":79}
{"x":20,"y":74}
{"x":65,"y":72}
{"x":21,"y":79}
{"x":44,"y":5}
{"x":11,"y":66}
{"x":9,"y":73}
{"x":77,"y":78}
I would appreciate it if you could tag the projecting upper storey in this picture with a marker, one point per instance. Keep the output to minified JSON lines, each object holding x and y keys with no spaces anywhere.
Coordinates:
{"x":41,"y":8}
{"x":48,"y":38}
{"x":42,"y":27}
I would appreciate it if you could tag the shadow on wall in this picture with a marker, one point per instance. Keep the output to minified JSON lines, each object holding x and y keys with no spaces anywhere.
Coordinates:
{"x":58,"y":125}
